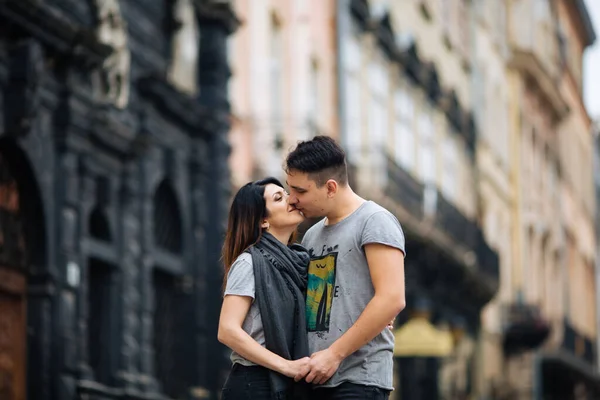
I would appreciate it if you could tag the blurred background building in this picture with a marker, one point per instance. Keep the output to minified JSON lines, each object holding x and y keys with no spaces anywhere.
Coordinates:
{"x":283,"y":85}
{"x":465,"y":119}
{"x":125,"y":126}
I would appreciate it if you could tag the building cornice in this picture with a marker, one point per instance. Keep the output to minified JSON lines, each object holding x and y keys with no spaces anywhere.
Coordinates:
{"x":360,"y":11}
{"x":529,"y":64}
{"x":180,"y":106}
{"x":586,"y":22}
{"x":218,"y":10}
{"x":48,"y":26}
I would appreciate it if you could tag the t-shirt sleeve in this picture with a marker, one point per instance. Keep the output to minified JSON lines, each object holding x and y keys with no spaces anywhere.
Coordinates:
{"x":383,"y":228}
{"x":240,"y":280}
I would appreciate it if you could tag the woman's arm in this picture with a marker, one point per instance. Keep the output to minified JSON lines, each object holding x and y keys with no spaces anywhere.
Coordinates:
{"x":231,"y":334}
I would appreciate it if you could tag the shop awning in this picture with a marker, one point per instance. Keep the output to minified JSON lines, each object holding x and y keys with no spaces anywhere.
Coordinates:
{"x":419,"y":338}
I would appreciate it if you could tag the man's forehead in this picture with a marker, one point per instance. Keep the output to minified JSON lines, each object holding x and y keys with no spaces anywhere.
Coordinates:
{"x":298,"y":180}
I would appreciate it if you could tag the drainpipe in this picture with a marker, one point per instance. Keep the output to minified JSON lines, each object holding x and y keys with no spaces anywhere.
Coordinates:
{"x":517,"y":284}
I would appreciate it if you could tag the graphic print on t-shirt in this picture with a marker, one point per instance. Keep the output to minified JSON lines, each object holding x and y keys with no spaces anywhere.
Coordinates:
{"x":321,"y":286}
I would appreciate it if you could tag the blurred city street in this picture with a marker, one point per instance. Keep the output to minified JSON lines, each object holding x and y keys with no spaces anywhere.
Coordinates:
{"x":127,"y":125}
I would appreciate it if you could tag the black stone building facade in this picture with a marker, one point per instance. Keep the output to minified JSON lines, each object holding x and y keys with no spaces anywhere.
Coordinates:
{"x":113,"y":192}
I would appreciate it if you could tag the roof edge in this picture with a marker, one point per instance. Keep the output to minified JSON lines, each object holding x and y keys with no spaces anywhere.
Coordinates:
{"x":588,"y":26}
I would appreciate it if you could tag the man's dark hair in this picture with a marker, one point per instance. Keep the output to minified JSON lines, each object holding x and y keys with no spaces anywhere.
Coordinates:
{"x":321,"y":158}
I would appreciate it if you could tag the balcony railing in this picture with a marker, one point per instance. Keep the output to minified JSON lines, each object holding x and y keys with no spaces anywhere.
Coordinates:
{"x":489,"y":261}
{"x":455,"y":224}
{"x":411,"y":194}
{"x":404,"y":189}
{"x":578,"y":345}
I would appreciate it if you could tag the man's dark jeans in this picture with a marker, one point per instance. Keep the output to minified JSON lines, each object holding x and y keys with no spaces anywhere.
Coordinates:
{"x":350,"y":391}
{"x":247,"y":383}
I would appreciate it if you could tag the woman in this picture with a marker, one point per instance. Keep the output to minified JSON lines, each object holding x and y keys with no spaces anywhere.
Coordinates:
{"x":263,"y":313}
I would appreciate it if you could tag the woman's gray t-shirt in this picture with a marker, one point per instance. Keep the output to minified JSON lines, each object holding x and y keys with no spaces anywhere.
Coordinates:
{"x":240,"y":282}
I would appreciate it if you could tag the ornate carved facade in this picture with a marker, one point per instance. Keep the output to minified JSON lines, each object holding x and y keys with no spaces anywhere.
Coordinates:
{"x":114,"y":74}
{"x":113,"y":188}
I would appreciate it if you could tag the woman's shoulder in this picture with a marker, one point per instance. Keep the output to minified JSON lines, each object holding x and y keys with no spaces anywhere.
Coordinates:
{"x":240,"y":280}
{"x":245,"y":257}
{"x":243,"y":261}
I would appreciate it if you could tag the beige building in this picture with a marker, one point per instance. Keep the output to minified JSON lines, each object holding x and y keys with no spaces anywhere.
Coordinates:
{"x":546,"y":304}
{"x":552,"y":272}
{"x":490,"y":48}
{"x":283,"y":82}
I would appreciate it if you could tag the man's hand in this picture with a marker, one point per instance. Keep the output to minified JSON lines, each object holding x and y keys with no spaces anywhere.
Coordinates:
{"x":323,"y":365}
{"x":296,"y":369}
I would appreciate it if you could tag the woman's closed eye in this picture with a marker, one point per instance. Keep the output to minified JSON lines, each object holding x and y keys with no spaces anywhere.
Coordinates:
{"x":279,"y":197}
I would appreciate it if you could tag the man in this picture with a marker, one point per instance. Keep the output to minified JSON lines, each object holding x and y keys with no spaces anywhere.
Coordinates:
{"x":355,"y":279}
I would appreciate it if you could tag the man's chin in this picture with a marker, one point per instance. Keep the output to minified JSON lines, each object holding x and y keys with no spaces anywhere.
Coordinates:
{"x":306,"y":215}
{"x":303,"y":213}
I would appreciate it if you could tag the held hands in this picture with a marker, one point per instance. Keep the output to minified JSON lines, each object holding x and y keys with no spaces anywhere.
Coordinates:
{"x":323,"y":365}
{"x":320,"y":366}
{"x":296,"y":368}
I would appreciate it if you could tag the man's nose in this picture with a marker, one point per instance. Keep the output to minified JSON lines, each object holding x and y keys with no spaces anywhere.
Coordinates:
{"x":292,"y":199}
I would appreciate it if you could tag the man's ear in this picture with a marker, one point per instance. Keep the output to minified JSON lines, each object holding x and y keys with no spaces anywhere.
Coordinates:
{"x":332,"y":187}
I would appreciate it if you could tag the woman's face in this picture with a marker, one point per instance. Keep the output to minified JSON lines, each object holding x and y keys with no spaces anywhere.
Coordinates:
{"x":280,"y":213}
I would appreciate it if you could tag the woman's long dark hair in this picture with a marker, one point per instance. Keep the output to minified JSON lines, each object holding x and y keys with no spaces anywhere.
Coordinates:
{"x":248,"y":211}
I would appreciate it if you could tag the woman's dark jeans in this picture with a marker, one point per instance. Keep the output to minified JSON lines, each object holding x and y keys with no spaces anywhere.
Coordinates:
{"x":247,"y":383}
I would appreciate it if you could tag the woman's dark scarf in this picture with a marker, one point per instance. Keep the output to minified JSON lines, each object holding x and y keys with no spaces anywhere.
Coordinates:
{"x":280,"y":273}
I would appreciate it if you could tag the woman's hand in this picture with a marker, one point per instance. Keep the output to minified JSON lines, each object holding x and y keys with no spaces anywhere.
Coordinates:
{"x":296,"y":369}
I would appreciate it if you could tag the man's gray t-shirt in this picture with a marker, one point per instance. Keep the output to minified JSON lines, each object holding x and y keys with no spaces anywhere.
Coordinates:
{"x":340,"y":287}
{"x":240,"y":282}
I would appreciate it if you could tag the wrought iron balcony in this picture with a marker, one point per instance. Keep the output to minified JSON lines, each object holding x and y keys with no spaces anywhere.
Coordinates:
{"x":447,"y":219}
{"x":455,"y":224}
{"x":488,"y":259}
{"x":405,"y":189}
{"x":578,"y":344}
{"x":524,"y":327}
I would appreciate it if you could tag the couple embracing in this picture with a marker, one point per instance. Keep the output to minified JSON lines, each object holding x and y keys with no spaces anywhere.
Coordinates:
{"x":310,"y":320}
